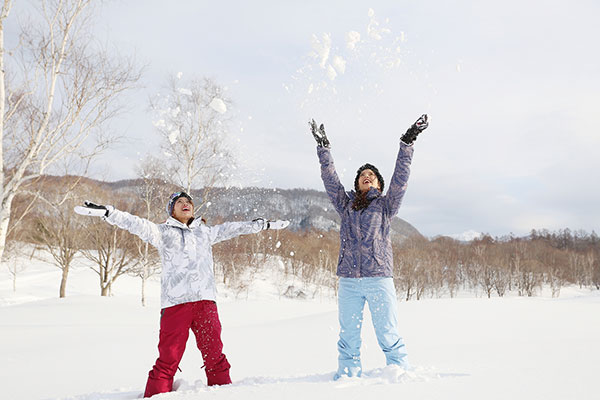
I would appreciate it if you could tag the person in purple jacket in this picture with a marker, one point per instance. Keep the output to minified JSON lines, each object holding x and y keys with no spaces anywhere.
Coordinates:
{"x":365,"y":264}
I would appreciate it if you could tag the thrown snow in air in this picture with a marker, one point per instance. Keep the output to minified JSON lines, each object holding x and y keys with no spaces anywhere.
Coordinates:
{"x":218,"y":105}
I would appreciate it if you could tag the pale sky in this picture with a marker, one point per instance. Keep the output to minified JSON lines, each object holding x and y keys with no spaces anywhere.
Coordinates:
{"x":512,"y":89}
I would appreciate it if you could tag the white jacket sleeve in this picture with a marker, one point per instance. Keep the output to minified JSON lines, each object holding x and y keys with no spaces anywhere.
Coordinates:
{"x":144,"y":229}
{"x":229,"y":230}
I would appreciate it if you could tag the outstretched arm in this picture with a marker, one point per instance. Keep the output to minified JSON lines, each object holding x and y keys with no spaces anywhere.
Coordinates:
{"x":144,"y":229}
{"x":397,"y":187}
{"x":229,"y":230}
{"x":334,"y":188}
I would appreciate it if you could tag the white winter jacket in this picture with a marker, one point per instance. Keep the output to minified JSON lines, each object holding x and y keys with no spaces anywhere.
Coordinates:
{"x":185,"y":252}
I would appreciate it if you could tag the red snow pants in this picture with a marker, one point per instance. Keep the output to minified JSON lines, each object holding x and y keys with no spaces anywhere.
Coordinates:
{"x":202,"y":318}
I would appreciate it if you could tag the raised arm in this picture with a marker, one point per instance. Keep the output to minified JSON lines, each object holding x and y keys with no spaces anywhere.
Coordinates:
{"x":334,"y":188}
{"x":397,"y":188}
{"x":399,"y":182}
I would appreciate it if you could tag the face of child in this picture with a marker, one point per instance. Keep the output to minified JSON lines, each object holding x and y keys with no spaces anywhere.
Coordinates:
{"x":183,"y":210}
{"x":367,"y":179}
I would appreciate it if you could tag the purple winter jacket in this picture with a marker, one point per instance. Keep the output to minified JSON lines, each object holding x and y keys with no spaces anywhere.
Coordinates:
{"x":365,"y":243}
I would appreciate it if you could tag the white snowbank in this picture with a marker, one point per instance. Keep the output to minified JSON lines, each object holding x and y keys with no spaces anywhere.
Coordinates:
{"x":87,"y":347}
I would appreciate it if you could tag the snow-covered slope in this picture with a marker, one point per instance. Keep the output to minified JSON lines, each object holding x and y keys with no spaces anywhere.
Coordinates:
{"x":466,"y":236}
{"x":86,"y":347}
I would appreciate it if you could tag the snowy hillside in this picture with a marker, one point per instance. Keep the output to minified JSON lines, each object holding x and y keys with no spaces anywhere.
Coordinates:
{"x":466,"y":236}
{"x":86,"y":347}
{"x":305,"y":209}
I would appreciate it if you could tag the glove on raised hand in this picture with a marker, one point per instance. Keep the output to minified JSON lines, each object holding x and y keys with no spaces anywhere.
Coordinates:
{"x":265,"y":224}
{"x":319,"y":134}
{"x":93,"y":209}
{"x":419,"y":126}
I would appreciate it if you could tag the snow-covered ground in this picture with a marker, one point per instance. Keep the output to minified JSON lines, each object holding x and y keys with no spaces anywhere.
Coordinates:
{"x":87,"y":347}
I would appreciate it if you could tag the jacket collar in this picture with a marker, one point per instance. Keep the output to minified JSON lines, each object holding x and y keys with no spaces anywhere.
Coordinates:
{"x":373,"y":193}
{"x":178,"y":224}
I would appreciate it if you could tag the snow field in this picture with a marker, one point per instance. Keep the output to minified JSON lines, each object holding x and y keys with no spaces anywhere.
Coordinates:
{"x":87,"y":347}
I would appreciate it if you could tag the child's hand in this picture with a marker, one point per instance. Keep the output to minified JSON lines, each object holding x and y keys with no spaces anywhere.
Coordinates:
{"x":93,"y":209}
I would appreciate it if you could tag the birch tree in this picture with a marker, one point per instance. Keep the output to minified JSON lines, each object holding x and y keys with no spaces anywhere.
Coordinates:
{"x":192,"y":119}
{"x":153,"y":192}
{"x":58,"y":88}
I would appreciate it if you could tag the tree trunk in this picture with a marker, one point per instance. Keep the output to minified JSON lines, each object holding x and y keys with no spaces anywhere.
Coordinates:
{"x":6,"y":203}
{"x":63,"y":282}
{"x":4,"y":220}
{"x":144,"y":290}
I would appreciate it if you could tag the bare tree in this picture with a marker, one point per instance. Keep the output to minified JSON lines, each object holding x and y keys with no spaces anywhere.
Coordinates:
{"x":191,"y":117}
{"x":60,"y":234}
{"x":14,"y":257}
{"x":113,"y":251}
{"x":153,"y":192}
{"x":57,"y":90}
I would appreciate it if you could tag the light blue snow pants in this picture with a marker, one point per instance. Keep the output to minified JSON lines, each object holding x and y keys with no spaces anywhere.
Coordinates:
{"x":380,"y":294}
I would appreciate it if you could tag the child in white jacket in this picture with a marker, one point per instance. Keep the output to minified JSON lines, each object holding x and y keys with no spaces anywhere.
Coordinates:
{"x":188,"y":291}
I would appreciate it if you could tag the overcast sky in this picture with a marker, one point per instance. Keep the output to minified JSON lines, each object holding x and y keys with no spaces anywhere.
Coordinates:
{"x":512,"y":89}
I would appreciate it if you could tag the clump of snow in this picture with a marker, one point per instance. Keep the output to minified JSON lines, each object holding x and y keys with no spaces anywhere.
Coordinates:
{"x":339,"y":63}
{"x":331,"y":74}
{"x":185,"y":91}
{"x":368,"y":53}
{"x":218,"y":105}
{"x":321,"y":48}
{"x":373,"y":29}
{"x":173,"y":136}
{"x":159,"y":123}
{"x":352,"y":38}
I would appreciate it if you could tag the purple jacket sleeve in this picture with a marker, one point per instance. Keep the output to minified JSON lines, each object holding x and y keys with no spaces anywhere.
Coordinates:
{"x":334,"y":188}
{"x":397,"y":187}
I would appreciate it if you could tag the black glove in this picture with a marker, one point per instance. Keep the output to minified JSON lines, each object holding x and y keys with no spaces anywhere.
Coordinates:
{"x":319,"y":135}
{"x":419,"y":126}
{"x":93,"y":209}
{"x":264,"y":224}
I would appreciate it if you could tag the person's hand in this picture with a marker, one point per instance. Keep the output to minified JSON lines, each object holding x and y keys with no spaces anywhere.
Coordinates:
{"x":319,"y":134}
{"x":419,"y":126}
{"x":93,"y":209}
{"x":265,"y":224}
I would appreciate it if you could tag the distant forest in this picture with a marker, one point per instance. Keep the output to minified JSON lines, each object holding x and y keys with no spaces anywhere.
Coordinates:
{"x":423,"y":268}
